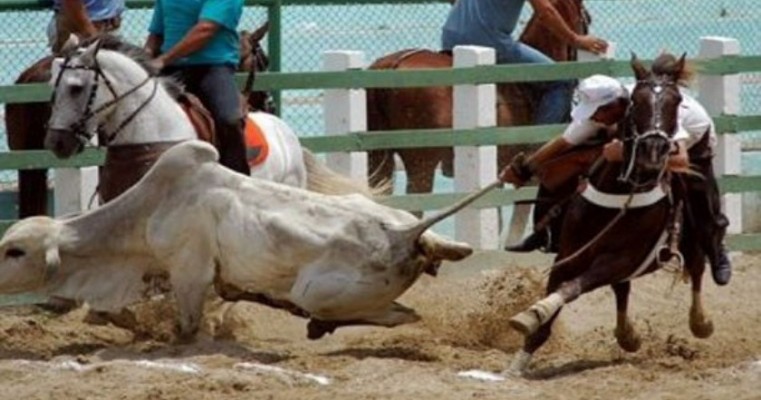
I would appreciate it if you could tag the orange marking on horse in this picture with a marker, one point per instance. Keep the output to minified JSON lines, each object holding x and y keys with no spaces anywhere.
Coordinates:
{"x":257,"y":148}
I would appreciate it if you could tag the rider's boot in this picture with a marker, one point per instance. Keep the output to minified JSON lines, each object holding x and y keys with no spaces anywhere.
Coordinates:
{"x":721,"y":266}
{"x":535,"y":241}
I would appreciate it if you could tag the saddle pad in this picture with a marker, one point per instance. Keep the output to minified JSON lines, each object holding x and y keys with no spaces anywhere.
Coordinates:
{"x":257,"y":148}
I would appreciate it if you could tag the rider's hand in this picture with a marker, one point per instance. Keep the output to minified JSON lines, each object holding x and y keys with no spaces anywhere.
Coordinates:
{"x":592,"y":44}
{"x":159,"y":63}
{"x":614,"y":151}
{"x":508,"y":175}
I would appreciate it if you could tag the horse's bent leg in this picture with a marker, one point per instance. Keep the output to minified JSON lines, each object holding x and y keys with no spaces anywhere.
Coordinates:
{"x":380,"y":168}
{"x":625,"y":334}
{"x":538,"y":314}
{"x":700,"y":324}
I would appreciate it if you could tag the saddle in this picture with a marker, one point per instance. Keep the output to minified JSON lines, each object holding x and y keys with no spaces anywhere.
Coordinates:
{"x":200,"y":117}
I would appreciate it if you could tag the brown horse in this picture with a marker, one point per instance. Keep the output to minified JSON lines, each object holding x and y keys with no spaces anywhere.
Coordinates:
{"x":431,"y":107}
{"x":625,"y":224}
{"x":25,"y":122}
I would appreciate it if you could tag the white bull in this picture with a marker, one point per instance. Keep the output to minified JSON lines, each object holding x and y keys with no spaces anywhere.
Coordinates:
{"x":338,"y":260}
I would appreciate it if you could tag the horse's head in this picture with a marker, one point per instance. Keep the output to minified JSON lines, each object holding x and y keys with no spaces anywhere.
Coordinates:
{"x":253,"y":59}
{"x":651,"y":122}
{"x":85,"y":94}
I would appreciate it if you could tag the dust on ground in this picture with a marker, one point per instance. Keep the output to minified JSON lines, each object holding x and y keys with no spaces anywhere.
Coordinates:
{"x":263,"y":353}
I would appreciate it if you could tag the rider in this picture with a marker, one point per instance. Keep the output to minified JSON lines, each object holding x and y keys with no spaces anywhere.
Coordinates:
{"x":602,"y":103}
{"x":197,"y":42}
{"x":85,"y":18}
{"x":491,"y":23}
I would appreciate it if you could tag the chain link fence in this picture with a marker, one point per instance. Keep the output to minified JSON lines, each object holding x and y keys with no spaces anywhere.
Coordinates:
{"x":642,"y":26}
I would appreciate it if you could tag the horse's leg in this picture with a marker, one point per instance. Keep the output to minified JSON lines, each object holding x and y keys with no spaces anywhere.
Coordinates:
{"x":33,"y":192}
{"x":625,"y":334}
{"x":420,"y":166}
{"x":535,"y":323}
{"x":694,"y":260}
{"x":380,"y":169}
{"x":549,"y":310}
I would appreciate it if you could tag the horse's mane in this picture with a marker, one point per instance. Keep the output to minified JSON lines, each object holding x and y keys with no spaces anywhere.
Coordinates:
{"x":666,"y":64}
{"x":136,"y":53}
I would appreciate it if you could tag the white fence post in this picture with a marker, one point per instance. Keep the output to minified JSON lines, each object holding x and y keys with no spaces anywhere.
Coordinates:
{"x":475,"y":167}
{"x":345,"y":111}
{"x":721,"y":95}
{"x":73,"y":189}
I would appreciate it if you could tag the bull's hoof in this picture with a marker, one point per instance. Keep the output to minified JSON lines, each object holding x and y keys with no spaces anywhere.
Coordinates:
{"x":316,"y":328}
{"x":124,"y":319}
{"x":526,"y":322}
{"x":58,"y":305}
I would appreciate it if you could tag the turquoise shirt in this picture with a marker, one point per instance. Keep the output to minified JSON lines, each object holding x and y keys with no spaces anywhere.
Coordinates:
{"x":484,"y":21}
{"x":98,"y":10}
{"x":173,"y":19}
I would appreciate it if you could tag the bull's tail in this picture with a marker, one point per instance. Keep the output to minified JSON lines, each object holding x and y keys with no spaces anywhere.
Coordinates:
{"x":322,"y":179}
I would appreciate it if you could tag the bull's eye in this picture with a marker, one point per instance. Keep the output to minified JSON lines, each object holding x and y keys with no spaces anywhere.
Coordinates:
{"x":14,"y":252}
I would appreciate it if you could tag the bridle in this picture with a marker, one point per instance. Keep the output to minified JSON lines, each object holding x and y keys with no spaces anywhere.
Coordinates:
{"x":258,"y":64}
{"x":656,"y":131}
{"x":79,"y":128}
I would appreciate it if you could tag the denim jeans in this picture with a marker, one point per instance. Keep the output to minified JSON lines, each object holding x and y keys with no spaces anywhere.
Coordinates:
{"x":555,"y":103}
{"x":215,"y":86}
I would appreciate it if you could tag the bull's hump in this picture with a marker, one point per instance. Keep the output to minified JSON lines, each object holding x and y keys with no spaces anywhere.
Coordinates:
{"x":188,"y":154}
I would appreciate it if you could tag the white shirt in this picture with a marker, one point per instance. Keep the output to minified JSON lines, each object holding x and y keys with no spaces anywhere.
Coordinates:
{"x":693,"y":122}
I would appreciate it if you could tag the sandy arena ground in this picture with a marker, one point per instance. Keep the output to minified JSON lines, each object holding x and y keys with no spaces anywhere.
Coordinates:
{"x":261,"y":353}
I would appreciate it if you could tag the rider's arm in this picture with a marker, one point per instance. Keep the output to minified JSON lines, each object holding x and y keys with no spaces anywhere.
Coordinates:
{"x":76,"y":14}
{"x":555,"y":23}
{"x":193,"y":41}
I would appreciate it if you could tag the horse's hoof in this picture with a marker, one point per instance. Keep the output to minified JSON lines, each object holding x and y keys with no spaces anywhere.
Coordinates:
{"x":702,"y":330}
{"x":316,"y":329}
{"x":525,"y":322}
{"x":629,"y":342}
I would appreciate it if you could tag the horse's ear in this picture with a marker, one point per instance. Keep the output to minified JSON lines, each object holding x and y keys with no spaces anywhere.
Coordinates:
{"x":88,"y":56}
{"x":680,"y":64}
{"x":55,"y":68}
{"x":640,"y":72}
{"x":259,"y":33}
{"x":71,"y":43}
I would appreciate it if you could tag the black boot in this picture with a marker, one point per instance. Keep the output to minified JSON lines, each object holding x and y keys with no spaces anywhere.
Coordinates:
{"x":532,"y":242}
{"x":721,"y":267}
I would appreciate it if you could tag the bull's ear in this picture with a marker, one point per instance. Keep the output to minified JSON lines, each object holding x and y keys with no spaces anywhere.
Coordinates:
{"x":52,"y":257}
{"x":640,"y":72}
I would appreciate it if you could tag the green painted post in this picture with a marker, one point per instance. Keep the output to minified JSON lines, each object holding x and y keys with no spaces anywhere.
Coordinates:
{"x":274,"y":46}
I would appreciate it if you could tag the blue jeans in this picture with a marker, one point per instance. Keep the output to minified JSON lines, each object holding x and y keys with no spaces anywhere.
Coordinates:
{"x":215,"y":86}
{"x":555,"y":104}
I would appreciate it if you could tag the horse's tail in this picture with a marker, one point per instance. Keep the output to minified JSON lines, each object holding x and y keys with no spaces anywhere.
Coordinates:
{"x":322,"y":179}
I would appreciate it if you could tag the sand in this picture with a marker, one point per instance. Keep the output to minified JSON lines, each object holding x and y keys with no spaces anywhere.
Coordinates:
{"x":456,"y":352}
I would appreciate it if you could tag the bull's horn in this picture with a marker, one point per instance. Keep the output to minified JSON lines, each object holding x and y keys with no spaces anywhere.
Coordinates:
{"x":413,"y":232}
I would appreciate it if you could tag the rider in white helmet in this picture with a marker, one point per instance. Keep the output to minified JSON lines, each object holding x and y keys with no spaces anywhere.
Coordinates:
{"x":601,"y":103}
